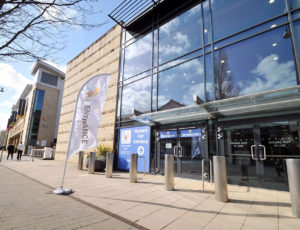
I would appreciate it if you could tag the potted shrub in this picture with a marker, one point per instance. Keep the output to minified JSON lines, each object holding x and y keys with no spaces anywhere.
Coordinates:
{"x":100,"y":162}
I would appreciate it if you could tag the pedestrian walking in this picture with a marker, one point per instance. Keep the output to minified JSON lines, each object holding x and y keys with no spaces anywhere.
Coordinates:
{"x":10,"y":151}
{"x":20,"y":150}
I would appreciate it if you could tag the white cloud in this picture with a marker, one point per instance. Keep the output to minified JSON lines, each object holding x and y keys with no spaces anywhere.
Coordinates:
{"x":3,"y":120}
{"x":12,"y":79}
{"x":6,"y":103}
{"x":182,"y":39}
{"x":170,"y":26}
{"x":139,"y":48}
{"x":136,"y":96}
{"x":271,"y":75}
{"x":195,"y":10}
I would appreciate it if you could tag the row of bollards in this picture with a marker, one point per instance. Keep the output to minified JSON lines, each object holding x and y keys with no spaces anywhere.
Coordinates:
{"x":220,"y":175}
{"x":92,"y":157}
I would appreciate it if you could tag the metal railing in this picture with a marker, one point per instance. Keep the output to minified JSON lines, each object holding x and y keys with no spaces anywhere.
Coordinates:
{"x":210,"y":171}
{"x":38,"y":153}
{"x":144,"y":163}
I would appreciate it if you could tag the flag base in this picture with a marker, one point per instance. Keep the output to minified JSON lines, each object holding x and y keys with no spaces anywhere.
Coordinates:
{"x":63,"y":191}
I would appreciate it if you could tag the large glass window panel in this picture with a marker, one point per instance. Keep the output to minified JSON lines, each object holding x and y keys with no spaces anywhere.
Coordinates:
{"x":206,"y":23}
{"x":231,"y":16}
{"x":296,"y":15}
{"x":181,"y":59}
{"x":294,"y":4}
{"x":272,"y":24}
{"x":297,"y":36}
{"x":119,"y":104}
{"x":178,"y":85}
{"x":180,"y":35}
{"x":138,"y":56}
{"x":155,"y":44}
{"x":262,"y":63}
{"x":136,"y":98}
{"x":210,"y":93}
{"x":154,"y":92}
{"x":121,"y":65}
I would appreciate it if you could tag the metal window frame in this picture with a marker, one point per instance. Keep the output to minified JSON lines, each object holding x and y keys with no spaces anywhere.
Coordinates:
{"x":289,"y":22}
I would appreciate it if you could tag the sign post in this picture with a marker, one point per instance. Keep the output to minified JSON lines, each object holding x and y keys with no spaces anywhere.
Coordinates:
{"x":86,"y":119}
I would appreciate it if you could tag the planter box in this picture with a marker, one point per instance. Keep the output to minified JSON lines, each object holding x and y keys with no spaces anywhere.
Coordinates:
{"x":99,"y":165}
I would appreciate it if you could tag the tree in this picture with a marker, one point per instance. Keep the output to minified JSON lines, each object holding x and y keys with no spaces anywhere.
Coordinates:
{"x":225,"y":84}
{"x":31,"y":30}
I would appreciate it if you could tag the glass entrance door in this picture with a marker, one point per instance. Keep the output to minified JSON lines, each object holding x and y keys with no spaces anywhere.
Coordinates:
{"x":256,"y":153}
{"x":187,"y":146}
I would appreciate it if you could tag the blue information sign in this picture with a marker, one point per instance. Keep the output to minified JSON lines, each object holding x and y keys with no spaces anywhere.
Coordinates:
{"x":134,"y":140}
{"x":168,"y":134}
{"x":190,"y":133}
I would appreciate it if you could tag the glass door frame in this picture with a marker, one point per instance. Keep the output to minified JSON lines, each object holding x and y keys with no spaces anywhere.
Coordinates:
{"x":177,"y":149}
{"x":258,"y":149}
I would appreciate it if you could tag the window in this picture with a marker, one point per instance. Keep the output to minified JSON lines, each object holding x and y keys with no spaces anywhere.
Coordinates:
{"x":262,"y":63}
{"x":36,"y":116}
{"x":294,"y":4}
{"x":297,"y":36}
{"x":138,"y":56}
{"x":178,"y":85}
{"x":210,"y":93}
{"x":136,"y":98}
{"x":180,"y":35}
{"x":232,"y":16}
{"x":49,"y":79}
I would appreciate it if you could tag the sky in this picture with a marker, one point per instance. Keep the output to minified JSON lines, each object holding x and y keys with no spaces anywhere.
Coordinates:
{"x":15,"y":75}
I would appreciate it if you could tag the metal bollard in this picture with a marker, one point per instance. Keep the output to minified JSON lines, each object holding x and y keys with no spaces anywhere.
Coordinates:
{"x":1,"y":155}
{"x":133,"y":168}
{"x":80,"y":160}
{"x":92,"y":162}
{"x":220,"y":175}
{"x":293,"y":170}
{"x":109,"y":165}
{"x":169,"y":172}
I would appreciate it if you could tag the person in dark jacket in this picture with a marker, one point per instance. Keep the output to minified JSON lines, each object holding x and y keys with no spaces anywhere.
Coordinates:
{"x":10,"y":150}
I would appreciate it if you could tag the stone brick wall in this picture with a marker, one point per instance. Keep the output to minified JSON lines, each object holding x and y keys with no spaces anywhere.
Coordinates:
{"x":100,"y":57}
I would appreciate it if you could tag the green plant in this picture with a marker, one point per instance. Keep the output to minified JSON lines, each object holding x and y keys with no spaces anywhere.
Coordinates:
{"x":101,"y":151}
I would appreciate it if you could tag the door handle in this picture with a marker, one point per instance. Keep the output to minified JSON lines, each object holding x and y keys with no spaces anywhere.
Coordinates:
{"x":175,"y":154}
{"x":252,"y":152}
{"x":180,"y":151}
{"x":264,"y":151}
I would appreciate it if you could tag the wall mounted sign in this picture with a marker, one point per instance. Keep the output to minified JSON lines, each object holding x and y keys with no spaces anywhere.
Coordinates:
{"x":134,"y":140}
{"x":168,"y":134}
{"x":190,"y":133}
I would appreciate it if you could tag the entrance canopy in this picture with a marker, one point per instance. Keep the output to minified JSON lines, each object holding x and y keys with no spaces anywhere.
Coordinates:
{"x":272,"y":101}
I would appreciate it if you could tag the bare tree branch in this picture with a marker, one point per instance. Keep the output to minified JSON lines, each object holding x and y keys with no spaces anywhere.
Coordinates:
{"x":37,"y":29}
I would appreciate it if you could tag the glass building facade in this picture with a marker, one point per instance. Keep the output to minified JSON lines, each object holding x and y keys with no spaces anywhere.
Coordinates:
{"x":228,"y":68}
{"x":36,"y":117}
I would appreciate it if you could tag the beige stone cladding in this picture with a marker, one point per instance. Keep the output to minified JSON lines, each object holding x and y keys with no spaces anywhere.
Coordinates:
{"x":48,"y":116}
{"x":99,"y":58}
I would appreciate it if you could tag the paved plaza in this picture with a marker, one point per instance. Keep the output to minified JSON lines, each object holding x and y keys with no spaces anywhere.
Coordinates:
{"x":114,"y":203}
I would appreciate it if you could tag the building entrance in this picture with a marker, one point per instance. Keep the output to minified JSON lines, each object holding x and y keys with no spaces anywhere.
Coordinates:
{"x":188,"y":147}
{"x":256,"y":153}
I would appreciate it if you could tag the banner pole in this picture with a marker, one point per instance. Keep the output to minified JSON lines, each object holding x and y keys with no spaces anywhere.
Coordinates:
{"x":61,"y":190}
{"x":63,"y":179}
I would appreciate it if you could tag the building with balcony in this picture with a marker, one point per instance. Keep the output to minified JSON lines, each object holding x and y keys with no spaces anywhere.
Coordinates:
{"x":35,"y":116}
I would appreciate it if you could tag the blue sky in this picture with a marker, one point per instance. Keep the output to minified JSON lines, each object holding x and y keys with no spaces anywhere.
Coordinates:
{"x":15,"y":75}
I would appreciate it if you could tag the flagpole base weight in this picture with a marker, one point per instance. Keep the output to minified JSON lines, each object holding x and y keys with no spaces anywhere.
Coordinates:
{"x":63,"y":191}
